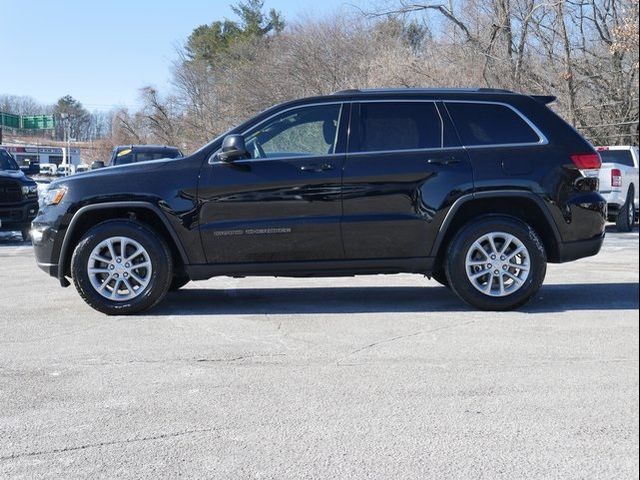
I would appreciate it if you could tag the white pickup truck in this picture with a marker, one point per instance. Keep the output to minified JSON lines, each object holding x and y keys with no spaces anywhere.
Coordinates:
{"x":619,"y":184}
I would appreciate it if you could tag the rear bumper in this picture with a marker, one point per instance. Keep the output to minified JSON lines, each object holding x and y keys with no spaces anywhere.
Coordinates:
{"x":569,"y":251}
{"x":615,"y":199}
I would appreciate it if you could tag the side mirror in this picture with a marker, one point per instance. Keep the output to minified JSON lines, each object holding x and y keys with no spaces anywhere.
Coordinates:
{"x":97,"y":164}
{"x":233,"y":148}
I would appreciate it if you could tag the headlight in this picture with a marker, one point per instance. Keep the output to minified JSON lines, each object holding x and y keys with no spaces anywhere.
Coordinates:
{"x":53,"y":196}
{"x":29,"y":189}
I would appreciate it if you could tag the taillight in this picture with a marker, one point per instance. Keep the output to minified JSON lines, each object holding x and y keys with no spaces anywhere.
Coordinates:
{"x":586,"y":161}
{"x":616,"y":177}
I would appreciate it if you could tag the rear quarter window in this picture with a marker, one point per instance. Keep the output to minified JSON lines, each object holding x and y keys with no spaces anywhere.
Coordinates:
{"x":481,"y":124}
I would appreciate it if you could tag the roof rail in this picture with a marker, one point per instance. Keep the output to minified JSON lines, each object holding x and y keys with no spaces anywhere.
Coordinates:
{"x":347,"y":91}
{"x":495,"y":90}
{"x":420,"y":89}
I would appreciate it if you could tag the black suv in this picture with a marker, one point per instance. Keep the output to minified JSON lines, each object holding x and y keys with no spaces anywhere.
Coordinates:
{"x":18,"y":197}
{"x":125,"y":154}
{"x":477,"y":189}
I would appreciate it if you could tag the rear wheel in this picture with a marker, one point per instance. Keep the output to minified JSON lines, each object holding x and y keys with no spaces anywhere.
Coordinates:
{"x":121,"y":267}
{"x":496,"y":263}
{"x":627,"y":215}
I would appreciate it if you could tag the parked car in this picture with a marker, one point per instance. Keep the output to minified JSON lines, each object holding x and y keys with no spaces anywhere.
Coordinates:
{"x":125,"y":154}
{"x":476,"y":188}
{"x":48,"y":169}
{"x":82,"y":168}
{"x":18,"y":197}
{"x":619,"y":184}
{"x":65,"y":170}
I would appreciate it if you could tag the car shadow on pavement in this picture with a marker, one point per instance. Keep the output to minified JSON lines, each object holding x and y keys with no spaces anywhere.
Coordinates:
{"x":611,"y":228}
{"x":551,"y":298}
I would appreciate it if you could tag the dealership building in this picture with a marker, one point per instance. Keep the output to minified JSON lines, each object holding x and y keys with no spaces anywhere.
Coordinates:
{"x":28,"y":154}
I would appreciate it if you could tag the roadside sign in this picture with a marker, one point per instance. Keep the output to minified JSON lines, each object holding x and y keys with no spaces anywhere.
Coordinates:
{"x":27,"y":122}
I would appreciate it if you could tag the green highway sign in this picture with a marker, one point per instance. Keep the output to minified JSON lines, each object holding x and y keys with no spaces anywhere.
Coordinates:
{"x":38,"y":122}
{"x":27,"y":122}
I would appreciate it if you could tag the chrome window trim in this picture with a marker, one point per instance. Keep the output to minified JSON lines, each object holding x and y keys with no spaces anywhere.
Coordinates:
{"x":342,"y":104}
{"x":541,"y":136}
{"x":411,"y":150}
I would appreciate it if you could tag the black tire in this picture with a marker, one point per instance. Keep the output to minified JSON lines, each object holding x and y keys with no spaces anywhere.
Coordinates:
{"x":159,"y":255}
{"x":178,"y":282}
{"x":26,"y":235}
{"x":627,"y":214}
{"x":456,"y":269}
{"x":441,"y":277}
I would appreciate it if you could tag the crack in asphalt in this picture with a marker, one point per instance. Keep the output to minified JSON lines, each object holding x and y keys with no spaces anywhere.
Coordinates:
{"x":393,"y":339}
{"x":243,"y":357}
{"x":106,"y":444}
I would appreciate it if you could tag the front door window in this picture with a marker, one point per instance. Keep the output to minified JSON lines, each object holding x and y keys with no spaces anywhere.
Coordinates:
{"x":303,"y":132}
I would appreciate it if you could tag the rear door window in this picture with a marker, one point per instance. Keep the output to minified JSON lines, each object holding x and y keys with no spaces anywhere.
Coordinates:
{"x":481,"y":124}
{"x":390,"y":126}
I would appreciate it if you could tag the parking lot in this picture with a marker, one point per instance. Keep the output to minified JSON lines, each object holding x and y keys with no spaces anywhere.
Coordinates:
{"x":367,"y":377}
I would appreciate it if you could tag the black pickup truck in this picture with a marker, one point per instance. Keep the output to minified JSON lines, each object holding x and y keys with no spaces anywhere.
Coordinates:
{"x":18,"y":197}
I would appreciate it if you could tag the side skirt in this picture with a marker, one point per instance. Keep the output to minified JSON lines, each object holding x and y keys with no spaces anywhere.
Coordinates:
{"x":328,"y":268}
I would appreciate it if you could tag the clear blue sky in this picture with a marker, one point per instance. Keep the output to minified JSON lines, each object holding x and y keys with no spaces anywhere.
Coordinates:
{"x":102,"y":52}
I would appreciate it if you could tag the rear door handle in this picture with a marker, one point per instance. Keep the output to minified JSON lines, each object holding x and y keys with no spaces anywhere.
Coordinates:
{"x":316,"y":167}
{"x":443,"y":161}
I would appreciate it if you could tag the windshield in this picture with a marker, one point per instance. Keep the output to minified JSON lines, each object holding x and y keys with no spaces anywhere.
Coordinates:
{"x":7,"y":162}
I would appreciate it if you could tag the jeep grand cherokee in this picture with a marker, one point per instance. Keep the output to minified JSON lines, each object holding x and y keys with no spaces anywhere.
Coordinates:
{"x":475,"y":188}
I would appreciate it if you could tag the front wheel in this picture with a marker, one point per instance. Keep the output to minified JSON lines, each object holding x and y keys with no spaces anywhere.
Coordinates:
{"x":496,"y":263}
{"x":121,"y":267}
{"x":26,"y":235}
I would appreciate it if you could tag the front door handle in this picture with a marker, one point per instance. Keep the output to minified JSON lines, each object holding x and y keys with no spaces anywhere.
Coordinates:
{"x":316,"y":167}
{"x":443,"y":161}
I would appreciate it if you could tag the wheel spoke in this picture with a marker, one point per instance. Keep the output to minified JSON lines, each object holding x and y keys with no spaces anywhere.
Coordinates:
{"x":96,"y":271}
{"x":524,"y":268}
{"x":493,"y":244}
{"x":128,"y":285}
{"x":518,"y":250}
{"x":100,"y":258}
{"x":487,"y":287}
{"x":480,"y":249}
{"x":105,"y":283}
{"x":514,"y":278}
{"x":138,"y":280}
{"x":480,"y":274}
{"x":123,"y":247}
{"x":475,"y":263}
{"x":134,"y":255}
{"x":501,"y":279}
{"x":112,"y":251}
{"x":506,"y":244}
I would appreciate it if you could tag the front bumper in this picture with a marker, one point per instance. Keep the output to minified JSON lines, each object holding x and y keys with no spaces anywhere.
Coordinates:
{"x":47,"y":232}
{"x":18,"y":216}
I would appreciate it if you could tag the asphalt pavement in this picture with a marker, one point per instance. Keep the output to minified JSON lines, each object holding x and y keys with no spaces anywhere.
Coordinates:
{"x":381,"y":377}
